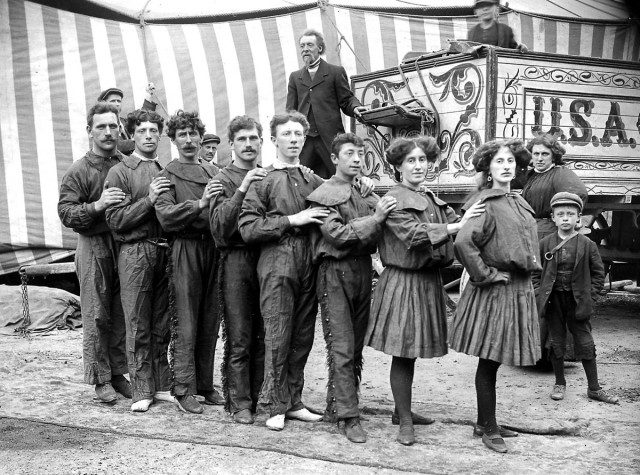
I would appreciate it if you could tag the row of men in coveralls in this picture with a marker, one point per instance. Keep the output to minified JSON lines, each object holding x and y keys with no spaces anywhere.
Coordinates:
{"x":238,"y":248}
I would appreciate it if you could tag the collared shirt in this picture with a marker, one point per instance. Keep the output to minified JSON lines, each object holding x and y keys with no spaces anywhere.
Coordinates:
{"x":281,"y":165}
{"x":144,"y":159}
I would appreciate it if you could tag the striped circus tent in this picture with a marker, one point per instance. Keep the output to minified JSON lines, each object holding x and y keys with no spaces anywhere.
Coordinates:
{"x":55,"y":62}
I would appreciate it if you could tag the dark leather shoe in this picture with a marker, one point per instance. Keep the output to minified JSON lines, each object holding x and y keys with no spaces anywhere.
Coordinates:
{"x":354,"y":431}
{"x":495,"y":443}
{"x":478,"y":431}
{"x":243,"y":416}
{"x":188,"y":403}
{"x":406,"y":435}
{"x":121,"y":385}
{"x":212,"y":398}
{"x":417,"y":419}
{"x":106,"y":393}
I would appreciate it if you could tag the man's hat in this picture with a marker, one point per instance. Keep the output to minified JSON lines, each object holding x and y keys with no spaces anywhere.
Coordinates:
{"x":477,"y":3}
{"x":566,"y":198}
{"x":210,"y":138}
{"x":112,"y":90}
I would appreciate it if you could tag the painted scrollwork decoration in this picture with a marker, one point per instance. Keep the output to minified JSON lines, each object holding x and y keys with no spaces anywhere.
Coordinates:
{"x":609,"y":166}
{"x":380,"y":93}
{"x":510,"y":95}
{"x":463,"y":88}
{"x":465,"y":84}
{"x":374,"y":165}
{"x":574,"y":76}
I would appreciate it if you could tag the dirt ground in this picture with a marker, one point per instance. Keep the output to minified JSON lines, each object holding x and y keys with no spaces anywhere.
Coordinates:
{"x":50,"y":423}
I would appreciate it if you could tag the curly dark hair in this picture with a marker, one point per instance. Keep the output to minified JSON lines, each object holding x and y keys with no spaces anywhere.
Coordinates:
{"x":184,"y":120}
{"x":485,"y":153}
{"x":100,"y":108}
{"x":342,"y":139}
{"x":137,"y":117}
{"x":400,"y":147}
{"x":242,"y":122}
{"x":289,"y":116}
{"x":551,"y":142}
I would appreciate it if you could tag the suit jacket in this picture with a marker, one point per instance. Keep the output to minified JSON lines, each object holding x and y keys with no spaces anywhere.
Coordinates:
{"x":328,"y":93}
{"x":586,"y":281}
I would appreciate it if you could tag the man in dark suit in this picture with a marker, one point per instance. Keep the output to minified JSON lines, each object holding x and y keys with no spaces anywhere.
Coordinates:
{"x":320,"y":91}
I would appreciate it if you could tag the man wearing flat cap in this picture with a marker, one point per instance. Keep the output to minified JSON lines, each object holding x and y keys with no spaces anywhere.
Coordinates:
{"x":114,"y":95}
{"x":209,"y":147}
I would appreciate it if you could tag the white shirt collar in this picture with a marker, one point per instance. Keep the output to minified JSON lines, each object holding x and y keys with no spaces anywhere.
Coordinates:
{"x":280,"y":165}
{"x":144,"y":159}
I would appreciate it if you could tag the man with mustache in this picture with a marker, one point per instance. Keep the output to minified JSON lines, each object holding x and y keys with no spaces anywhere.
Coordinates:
{"x":183,"y":212}
{"x":243,"y":365}
{"x":320,"y":91}
{"x":209,"y":147}
{"x":142,"y":261}
{"x":84,"y":197}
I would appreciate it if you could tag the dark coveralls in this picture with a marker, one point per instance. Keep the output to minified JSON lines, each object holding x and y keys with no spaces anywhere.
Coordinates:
{"x":143,"y":277}
{"x":565,"y":291}
{"x":103,"y":335}
{"x":239,"y":289}
{"x":287,"y":281}
{"x":343,"y":247}
{"x":193,"y":257}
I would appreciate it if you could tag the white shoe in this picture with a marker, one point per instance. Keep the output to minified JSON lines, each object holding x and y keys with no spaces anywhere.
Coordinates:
{"x":164,"y":396}
{"x":142,"y":405}
{"x":276,"y":422}
{"x":304,"y":415}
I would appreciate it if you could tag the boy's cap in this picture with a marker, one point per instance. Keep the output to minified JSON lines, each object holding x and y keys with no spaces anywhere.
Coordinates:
{"x":112,"y":90}
{"x":210,"y":138}
{"x":566,"y":198}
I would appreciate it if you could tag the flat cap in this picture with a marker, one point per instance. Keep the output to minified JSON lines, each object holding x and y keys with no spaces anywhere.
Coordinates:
{"x":566,"y":198}
{"x":210,"y":138}
{"x":477,"y":3}
{"x":112,"y":90}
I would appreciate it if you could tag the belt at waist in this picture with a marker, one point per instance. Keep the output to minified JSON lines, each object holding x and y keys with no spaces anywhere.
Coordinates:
{"x":195,"y":236}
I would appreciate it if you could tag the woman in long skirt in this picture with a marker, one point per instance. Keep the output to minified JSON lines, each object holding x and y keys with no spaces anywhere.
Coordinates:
{"x":496,"y":318}
{"x":408,"y":315}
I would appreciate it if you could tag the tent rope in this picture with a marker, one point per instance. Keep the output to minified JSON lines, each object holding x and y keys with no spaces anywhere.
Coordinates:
{"x":145,"y":49}
{"x":322,"y":4}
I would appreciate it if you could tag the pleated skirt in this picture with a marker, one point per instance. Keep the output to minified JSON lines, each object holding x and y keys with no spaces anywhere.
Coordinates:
{"x":498,"y":322}
{"x":408,"y":314}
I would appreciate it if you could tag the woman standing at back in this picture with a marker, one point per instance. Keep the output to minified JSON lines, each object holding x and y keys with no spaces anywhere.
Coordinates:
{"x":496,"y":318}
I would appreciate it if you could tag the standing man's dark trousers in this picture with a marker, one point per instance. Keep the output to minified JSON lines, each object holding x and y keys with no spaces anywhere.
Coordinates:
{"x":289,"y":306}
{"x":344,"y":291}
{"x":103,"y":337}
{"x":143,"y":276}
{"x":196,"y":303}
{"x":315,"y":155}
{"x":243,"y":368}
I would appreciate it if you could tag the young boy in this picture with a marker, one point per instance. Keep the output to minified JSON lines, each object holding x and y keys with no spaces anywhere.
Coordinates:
{"x":348,"y":238}
{"x":572,"y":275}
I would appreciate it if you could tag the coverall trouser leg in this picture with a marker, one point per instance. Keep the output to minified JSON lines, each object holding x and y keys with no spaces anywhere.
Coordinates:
{"x":103,"y":337}
{"x":244,"y":344}
{"x":196,"y":305}
{"x":344,"y":292}
{"x":143,"y":277}
{"x":289,"y":306}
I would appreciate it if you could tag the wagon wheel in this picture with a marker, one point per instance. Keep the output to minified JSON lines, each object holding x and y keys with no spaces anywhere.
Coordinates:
{"x":599,"y":229}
